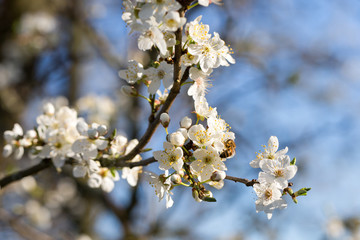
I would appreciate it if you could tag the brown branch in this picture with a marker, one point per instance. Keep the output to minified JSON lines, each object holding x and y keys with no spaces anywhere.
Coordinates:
{"x":26,"y":172}
{"x":247,"y":182}
{"x":46,"y":163}
{"x":23,"y":229}
{"x":169,"y":101}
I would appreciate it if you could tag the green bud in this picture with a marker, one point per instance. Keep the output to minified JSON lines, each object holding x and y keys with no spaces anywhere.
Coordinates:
{"x":195,"y":195}
{"x":302,"y":192}
{"x":293,"y":161}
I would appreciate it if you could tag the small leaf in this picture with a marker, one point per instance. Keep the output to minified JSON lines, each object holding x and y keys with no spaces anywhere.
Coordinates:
{"x":113,"y":134}
{"x":293,"y":161}
{"x":146,"y":150}
{"x":209,"y":199}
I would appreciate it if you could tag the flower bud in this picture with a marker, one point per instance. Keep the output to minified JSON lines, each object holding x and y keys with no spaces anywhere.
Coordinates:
{"x":92,"y":133}
{"x":218,"y":176}
{"x":208,"y":194}
{"x":181,"y":173}
{"x":102,"y":130}
{"x":186,"y":122}
{"x":195,"y":195}
{"x":184,"y":132}
{"x":177,"y":139}
{"x":31,"y":134}
{"x":49,"y":109}
{"x":164,"y":119}
{"x":175,"y":179}
{"x":129,"y":91}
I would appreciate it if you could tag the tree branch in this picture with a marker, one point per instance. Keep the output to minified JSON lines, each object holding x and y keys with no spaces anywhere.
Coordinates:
{"x":247,"y":182}
{"x":169,"y":101}
{"x":46,"y":163}
{"x":26,"y":172}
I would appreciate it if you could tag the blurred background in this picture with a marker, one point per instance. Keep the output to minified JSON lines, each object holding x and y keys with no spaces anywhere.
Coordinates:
{"x":297,"y":77}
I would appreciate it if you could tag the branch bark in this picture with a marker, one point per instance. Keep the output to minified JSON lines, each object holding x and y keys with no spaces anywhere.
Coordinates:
{"x":247,"y":182}
{"x":24,"y":173}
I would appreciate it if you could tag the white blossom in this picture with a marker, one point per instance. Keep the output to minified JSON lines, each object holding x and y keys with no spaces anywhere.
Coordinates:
{"x":197,"y":31}
{"x":162,"y":186}
{"x":207,"y":161}
{"x":133,"y":73}
{"x":200,"y":136}
{"x":277,"y":171}
{"x":163,"y":72}
{"x":269,"y":198}
{"x":270,"y":152}
{"x":171,"y":157}
{"x":132,"y":174}
{"x":172,"y":21}
{"x":13,"y":144}
{"x":201,"y":83}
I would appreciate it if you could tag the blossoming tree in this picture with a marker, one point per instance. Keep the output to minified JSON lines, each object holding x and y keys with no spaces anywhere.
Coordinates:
{"x":196,"y":156}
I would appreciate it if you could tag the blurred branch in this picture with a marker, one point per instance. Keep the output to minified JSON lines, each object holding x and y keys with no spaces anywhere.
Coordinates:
{"x":46,"y":163}
{"x":24,"y":173}
{"x":23,"y":229}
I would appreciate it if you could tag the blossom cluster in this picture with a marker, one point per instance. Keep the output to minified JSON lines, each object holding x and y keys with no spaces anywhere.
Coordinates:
{"x":61,"y":135}
{"x":277,"y":169}
{"x":195,"y":154}
{"x":157,"y":22}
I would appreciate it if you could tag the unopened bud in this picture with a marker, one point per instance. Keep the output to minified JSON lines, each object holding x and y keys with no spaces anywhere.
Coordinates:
{"x":31,"y":134}
{"x":218,"y":176}
{"x":177,"y":139}
{"x":208,"y":194}
{"x":92,"y":133}
{"x":129,"y":91}
{"x":164,"y":119}
{"x":181,"y":173}
{"x":184,"y":132}
{"x":186,"y":122}
{"x":195,"y":195}
{"x":49,"y":109}
{"x":175,"y":178}
{"x":102,"y":130}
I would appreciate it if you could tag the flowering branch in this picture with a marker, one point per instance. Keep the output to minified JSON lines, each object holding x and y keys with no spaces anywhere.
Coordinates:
{"x":46,"y":163}
{"x":193,"y":156}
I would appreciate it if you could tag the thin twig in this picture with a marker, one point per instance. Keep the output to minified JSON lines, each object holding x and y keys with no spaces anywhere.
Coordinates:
{"x":247,"y":182}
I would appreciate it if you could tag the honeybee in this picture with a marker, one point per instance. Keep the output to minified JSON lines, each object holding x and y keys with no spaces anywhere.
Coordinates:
{"x":229,"y":149}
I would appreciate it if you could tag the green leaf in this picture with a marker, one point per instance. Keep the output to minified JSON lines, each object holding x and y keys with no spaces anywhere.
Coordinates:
{"x":113,"y":134}
{"x":209,"y":199}
{"x":293,"y":161}
{"x":146,"y":150}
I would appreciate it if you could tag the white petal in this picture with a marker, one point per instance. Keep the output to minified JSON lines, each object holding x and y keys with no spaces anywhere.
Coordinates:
{"x":107,"y":185}
{"x":79,"y":171}
{"x":7,"y":150}
{"x":95,"y":180}
{"x":18,"y":153}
